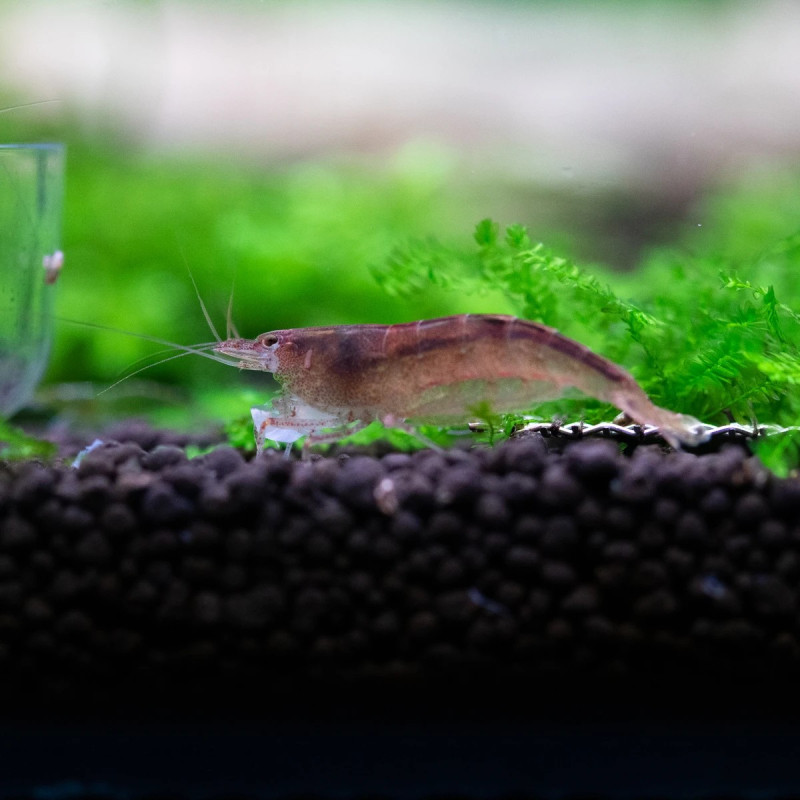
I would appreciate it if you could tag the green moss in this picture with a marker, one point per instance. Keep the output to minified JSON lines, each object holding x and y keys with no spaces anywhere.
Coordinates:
{"x":700,"y":342}
{"x":16,"y":445}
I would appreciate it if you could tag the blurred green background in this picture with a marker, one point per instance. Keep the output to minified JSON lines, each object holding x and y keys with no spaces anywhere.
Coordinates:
{"x":281,"y":151}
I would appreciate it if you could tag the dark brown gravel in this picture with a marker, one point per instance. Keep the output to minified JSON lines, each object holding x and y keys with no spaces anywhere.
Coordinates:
{"x":143,"y":571}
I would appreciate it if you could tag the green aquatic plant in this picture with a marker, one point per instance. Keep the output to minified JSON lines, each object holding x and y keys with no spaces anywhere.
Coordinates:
{"x":16,"y":445}
{"x":707,"y":343}
{"x":713,"y":342}
{"x":780,"y":452}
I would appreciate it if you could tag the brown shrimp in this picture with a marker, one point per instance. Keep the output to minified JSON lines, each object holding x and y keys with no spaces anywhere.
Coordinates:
{"x":432,"y":370}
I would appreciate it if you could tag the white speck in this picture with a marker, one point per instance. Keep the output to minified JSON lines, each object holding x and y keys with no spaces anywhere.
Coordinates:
{"x":52,"y":266}
{"x":386,"y":497}
{"x":480,"y":599}
{"x":713,"y":587}
{"x":86,"y":450}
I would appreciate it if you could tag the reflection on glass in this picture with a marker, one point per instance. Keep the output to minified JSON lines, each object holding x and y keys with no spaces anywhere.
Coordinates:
{"x":31,"y":194}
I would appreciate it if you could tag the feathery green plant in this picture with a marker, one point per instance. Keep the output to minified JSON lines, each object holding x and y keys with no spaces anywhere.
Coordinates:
{"x":703,"y":338}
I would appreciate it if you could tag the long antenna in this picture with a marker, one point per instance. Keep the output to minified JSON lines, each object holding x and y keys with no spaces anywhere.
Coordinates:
{"x":29,"y":105}
{"x":187,"y":349}
{"x":230,"y":328}
{"x":199,"y":298}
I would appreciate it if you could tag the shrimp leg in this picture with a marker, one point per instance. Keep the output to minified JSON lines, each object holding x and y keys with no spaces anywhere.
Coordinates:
{"x":289,"y":419}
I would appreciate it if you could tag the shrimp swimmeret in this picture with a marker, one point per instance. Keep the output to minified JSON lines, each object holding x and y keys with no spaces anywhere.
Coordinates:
{"x":432,"y":370}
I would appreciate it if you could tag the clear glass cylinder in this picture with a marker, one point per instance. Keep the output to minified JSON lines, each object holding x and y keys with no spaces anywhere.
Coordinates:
{"x":31,"y":197}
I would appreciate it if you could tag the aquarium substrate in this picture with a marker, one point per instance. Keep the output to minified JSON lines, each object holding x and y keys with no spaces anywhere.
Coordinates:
{"x":141,"y":573}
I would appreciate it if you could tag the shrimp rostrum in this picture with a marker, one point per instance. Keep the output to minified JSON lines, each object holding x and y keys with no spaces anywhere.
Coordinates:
{"x":432,"y":370}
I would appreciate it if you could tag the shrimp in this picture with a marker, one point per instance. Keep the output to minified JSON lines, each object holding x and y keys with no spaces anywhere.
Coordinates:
{"x":432,"y":370}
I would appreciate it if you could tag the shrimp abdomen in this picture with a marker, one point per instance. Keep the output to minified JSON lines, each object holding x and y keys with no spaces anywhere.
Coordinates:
{"x":444,"y":366}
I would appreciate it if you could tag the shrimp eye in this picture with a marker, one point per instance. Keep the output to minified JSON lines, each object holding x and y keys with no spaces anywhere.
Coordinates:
{"x":268,"y":339}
